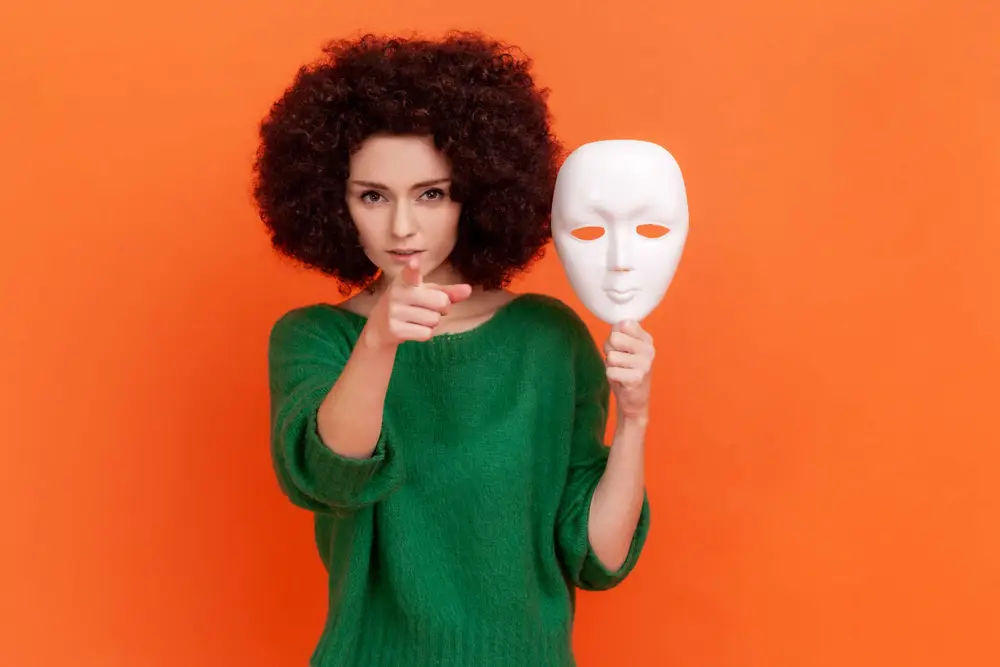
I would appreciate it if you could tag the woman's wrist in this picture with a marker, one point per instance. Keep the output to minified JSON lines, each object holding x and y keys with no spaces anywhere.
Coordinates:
{"x":633,"y":420}
{"x":371,"y":342}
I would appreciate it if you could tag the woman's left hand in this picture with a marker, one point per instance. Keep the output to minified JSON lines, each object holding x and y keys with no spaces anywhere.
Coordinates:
{"x":629,"y":353}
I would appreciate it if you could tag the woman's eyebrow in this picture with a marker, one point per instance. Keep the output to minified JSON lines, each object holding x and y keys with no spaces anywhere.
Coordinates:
{"x":427,"y":184}
{"x":382,"y":186}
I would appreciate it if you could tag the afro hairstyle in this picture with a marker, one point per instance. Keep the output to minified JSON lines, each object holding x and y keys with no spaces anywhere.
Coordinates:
{"x":474,"y":96}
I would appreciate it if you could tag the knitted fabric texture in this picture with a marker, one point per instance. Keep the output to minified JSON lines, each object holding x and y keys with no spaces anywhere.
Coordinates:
{"x":462,"y":540}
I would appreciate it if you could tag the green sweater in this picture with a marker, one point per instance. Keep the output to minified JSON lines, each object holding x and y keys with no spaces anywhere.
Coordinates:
{"x":461,"y":541}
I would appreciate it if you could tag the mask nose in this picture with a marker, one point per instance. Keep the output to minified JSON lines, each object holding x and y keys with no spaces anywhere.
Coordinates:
{"x":403,"y":224}
{"x":619,"y":252}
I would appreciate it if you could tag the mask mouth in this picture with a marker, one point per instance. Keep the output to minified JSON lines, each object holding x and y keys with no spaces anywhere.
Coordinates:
{"x":622,"y":295}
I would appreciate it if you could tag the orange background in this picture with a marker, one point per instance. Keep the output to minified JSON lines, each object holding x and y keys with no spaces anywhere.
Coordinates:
{"x":823,"y":464}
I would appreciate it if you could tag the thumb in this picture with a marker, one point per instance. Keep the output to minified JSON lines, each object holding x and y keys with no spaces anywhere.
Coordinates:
{"x":456,"y":293}
{"x":411,"y":272}
{"x":635,"y":330}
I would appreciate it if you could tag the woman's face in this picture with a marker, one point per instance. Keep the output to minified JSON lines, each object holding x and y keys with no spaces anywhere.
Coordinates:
{"x":398,"y":197}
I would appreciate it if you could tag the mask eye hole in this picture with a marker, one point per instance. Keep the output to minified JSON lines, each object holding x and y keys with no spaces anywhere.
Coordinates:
{"x":652,"y":231}
{"x":589,"y":233}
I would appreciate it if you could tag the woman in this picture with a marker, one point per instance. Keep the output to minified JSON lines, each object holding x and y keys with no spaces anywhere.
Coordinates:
{"x":446,"y":433}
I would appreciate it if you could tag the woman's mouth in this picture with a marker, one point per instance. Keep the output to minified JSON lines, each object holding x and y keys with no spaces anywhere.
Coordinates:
{"x":403,"y":255}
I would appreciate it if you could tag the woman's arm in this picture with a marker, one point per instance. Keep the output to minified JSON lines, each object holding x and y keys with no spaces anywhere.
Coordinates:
{"x":618,"y":499}
{"x":332,"y":450}
{"x":604,"y":513}
{"x":619,"y":496}
{"x":349,"y":419}
{"x":309,"y":350}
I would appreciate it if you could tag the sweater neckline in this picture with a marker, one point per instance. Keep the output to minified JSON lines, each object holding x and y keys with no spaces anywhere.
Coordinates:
{"x":452,"y":341}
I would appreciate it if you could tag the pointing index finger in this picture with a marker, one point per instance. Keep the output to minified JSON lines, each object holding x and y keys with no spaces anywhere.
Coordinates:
{"x":411,"y":272}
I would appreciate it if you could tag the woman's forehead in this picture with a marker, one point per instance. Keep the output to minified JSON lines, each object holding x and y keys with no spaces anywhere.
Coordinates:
{"x":399,"y":161}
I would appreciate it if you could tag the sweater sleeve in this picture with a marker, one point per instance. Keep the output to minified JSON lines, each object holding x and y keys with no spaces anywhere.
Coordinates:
{"x":588,"y":460}
{"x":306,"y":355}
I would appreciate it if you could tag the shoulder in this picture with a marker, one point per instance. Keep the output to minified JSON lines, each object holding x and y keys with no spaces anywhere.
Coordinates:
{"x":550,"y":315}
{"x":550,"y":309}
{"x":559,"y":327}
{"x":318,"y":324}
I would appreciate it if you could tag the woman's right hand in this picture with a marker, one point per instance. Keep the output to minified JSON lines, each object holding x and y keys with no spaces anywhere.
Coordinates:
{"x":410,"y":309}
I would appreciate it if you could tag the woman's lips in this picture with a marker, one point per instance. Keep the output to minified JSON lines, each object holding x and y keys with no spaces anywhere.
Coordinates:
{"x":403,"y":255}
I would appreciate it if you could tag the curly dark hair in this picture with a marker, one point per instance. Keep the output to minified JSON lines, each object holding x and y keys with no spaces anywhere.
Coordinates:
{"x":475,"y":96}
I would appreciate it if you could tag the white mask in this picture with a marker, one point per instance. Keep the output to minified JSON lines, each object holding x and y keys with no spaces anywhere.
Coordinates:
{"x":618,"y":195}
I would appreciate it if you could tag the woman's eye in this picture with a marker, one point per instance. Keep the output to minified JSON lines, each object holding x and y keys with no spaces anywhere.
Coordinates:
{"x":434,"y":193}
{"x":370,"y":197}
